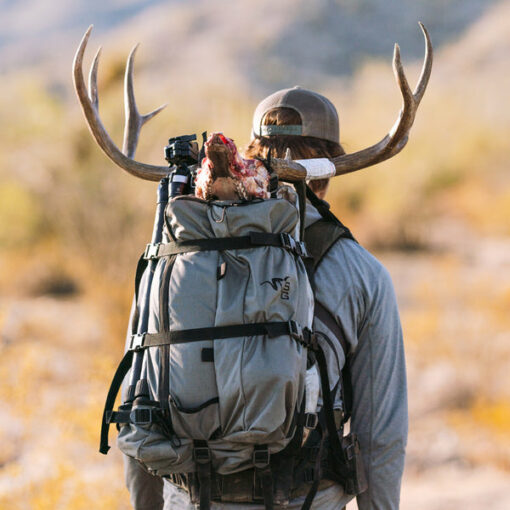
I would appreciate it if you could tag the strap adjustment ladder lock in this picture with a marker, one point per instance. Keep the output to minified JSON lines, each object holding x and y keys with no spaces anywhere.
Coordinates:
{"x":151,"y":251}
{"x":202,"y":454}
{"x":261,"y":458}
{"x":290,"y":244}
{"x":137,"y":342}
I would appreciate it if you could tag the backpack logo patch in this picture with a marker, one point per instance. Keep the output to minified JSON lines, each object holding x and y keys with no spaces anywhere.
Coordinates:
{"x":282,"y":284}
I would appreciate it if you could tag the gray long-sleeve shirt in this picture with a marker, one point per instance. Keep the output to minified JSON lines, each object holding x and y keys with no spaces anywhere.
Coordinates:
{"x":358,"y":291}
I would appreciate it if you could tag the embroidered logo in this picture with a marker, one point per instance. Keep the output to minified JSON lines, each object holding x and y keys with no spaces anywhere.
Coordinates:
{"x":282,"y":284}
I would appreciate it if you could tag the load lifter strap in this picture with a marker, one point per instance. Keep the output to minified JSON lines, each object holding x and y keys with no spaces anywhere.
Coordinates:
{"x":252,"y":240}
{"x":146,"y":340}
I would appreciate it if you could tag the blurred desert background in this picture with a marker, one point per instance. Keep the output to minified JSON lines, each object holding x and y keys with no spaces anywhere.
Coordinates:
{"x":72,"y":225}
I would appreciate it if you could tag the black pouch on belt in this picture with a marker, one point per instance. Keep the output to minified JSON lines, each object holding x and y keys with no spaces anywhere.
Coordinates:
{"x":356,"y":481}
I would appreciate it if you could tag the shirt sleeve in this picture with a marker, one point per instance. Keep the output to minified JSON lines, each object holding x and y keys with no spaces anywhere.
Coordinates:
{"x":362,"y":299}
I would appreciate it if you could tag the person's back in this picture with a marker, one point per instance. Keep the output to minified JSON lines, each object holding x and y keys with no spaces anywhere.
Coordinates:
{"x":356,"y":291}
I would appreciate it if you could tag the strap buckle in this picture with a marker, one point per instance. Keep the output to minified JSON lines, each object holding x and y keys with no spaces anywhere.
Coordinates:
{"x":151,"y":251}
{"x":311,"y":420}
{"x":261,"y":458}
{"x":352,"y":450}
{"x":311,"y":340}
{"x":295,"y":331}
{"x":141,"y":416}
{"x":308,"y":338}
{"x":287,"y":241}
{"x":202,"y":454}
{"x":137,"y":342}
{"x":290,"y":244}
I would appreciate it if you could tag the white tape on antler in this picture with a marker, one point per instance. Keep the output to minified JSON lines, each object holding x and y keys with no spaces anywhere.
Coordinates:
{"x":320,"y":168}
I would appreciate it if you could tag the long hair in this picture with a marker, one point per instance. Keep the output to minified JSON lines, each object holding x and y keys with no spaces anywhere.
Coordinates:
{"x":301,"y":147}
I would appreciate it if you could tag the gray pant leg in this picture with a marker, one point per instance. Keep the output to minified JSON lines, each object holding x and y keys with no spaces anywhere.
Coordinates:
{"x":145,"y":490}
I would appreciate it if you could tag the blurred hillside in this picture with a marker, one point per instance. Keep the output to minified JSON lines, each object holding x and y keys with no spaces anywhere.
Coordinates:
{"x":35,"y":30}
{"x":271,"y":43}
{"x":72,"y":225}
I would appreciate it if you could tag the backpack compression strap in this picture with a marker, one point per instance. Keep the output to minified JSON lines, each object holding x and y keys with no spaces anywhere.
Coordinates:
{"x":252,"y":240}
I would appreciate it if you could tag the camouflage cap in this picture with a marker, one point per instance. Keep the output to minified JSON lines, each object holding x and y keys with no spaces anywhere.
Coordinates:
{"x":319,"y":117}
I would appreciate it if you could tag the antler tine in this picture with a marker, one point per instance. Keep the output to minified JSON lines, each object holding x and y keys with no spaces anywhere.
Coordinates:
{"x":406,"y":115}
{"x":93,"y":80}
{"x":89,"y":104}
{"x":397,"y":137}
{"x":134,"y":121}
{"x":427,"y":66}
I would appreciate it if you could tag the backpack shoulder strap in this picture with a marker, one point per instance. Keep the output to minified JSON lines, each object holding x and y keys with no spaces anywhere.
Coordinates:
{"x":319,"y":239}
{"x":323,"y":234}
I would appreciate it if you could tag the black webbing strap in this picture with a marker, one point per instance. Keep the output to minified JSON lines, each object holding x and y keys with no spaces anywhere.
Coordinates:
{"x":121,"y":372}
{"x":140,"y":269}
{"x":317,"y":475}
{"x":300,"y":187}
{"x":271,"y":329}
{"x":262,"y":466}
{"x":202,"y":458}
{"x":334,"y":441}
{"x":252,"y":240}
{"x":137,"y":416}
{"x":164,"y":317}
{"x":326,"y":318}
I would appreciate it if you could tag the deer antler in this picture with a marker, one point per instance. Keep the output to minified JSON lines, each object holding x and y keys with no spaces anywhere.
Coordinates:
{"x":392,"y":143}
{"x":134,"y":121}
{"x":286,"y":169}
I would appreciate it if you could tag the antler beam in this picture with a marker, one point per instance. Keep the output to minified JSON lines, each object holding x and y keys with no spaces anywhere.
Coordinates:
{"x":134,"y":121}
